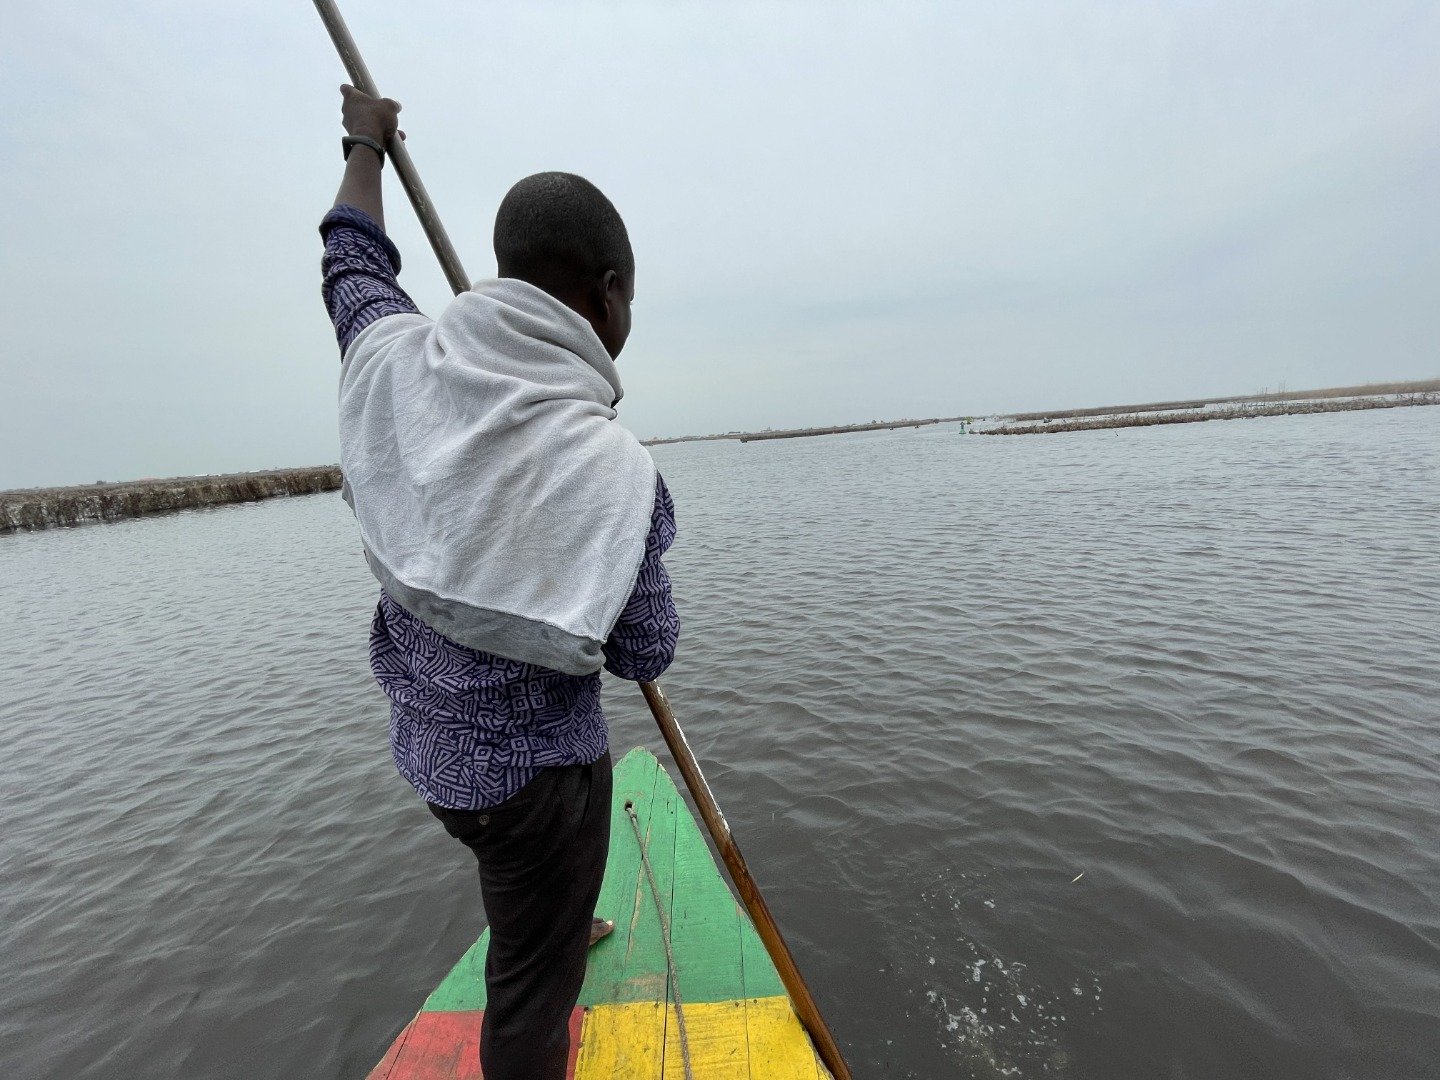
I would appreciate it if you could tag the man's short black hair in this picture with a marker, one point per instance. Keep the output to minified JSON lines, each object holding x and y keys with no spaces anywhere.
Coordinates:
{"x":558,"y":230}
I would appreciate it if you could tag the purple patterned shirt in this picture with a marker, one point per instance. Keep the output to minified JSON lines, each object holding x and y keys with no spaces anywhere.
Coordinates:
{"x":469,"y":729}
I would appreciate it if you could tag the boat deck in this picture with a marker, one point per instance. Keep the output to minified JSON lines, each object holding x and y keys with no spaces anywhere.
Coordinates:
{"x":738,"y":1020}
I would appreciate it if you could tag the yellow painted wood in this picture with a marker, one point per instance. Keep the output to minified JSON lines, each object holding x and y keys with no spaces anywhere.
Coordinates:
{"x":752,"y":1039}
{"x":622,"y":1042}
{"x":716,"y":1034}
{"x":779,"y":1047}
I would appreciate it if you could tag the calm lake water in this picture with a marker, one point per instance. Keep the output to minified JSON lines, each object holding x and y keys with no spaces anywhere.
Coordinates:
{"x":933,"y":679}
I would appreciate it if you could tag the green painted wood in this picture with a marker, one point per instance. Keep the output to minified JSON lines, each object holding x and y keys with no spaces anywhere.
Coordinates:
{"x":718,"y":955}
{"x":705,"y":922}
{"x":636,"y":777}
{"x":464,"y":988}
{"x":643,"y":975}
{"x":758,"y":970}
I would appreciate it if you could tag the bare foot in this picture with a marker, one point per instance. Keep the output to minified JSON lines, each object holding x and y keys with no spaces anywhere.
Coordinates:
{"x":600,"y":928}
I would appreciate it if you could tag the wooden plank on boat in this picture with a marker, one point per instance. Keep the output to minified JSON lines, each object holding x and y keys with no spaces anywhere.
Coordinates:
{"x":739,"y":1024}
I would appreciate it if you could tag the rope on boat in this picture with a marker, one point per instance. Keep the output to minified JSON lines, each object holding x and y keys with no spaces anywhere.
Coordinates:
{"x":665,"y":937}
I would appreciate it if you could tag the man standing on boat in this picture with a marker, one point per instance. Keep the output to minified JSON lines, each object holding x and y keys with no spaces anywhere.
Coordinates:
{"x":517,"y":533}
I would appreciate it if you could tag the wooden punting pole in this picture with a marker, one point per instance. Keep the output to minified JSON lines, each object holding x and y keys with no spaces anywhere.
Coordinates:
{"x":750,"y":895}
{"x":396,"y":151}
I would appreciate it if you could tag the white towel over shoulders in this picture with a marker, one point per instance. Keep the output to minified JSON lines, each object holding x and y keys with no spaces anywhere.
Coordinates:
{"x":497,"y":498}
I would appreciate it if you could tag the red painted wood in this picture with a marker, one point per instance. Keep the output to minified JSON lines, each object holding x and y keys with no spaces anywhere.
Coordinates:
{"x":577,"y":1020}
{"x":387,"y":1063}
{"x":446,"y":1046}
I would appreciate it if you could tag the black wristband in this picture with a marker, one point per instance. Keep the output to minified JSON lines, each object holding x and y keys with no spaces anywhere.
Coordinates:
{"x":349,"y":142}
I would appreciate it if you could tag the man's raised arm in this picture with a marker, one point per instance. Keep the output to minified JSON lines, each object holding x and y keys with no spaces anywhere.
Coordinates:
{"x":375,"y":120}
{"x":361,"y":266}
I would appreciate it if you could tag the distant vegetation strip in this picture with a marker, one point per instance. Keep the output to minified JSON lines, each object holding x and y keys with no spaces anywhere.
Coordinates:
{"x":804,"y":433}
{"x":1239,"y":411}
{"x":53,"y":508}
{"x":842,"y":429}
{"x":1421,"y":386}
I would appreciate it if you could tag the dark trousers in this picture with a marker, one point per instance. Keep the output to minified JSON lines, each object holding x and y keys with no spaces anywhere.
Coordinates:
{"x":542,"y":857}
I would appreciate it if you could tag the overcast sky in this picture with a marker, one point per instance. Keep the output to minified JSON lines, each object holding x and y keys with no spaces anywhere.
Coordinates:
{"x":840,"y":211}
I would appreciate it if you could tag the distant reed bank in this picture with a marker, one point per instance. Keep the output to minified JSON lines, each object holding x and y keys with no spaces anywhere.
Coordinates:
{"x":53,"y":508}
{"x":1194,"y":414}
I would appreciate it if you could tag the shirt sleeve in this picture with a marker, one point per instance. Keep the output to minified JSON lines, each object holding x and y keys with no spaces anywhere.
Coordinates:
{"x":642,"y":645}
{"x":360,"y":272}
